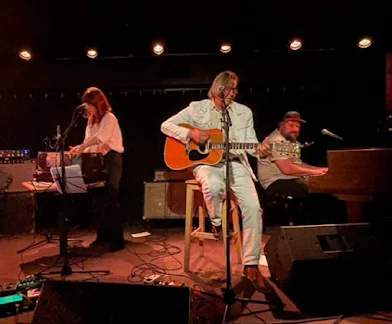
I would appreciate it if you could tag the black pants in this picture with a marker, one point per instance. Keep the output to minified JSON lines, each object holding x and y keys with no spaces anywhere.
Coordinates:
{"x":109,"y":219}
{"x":306,"y":208}
{"x":298,"y":190}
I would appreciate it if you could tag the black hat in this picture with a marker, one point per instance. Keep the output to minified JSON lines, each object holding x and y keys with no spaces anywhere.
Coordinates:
{"x":293,"y":116}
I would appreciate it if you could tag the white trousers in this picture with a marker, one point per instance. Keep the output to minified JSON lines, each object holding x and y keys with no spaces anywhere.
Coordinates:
{"x":213,"y":182}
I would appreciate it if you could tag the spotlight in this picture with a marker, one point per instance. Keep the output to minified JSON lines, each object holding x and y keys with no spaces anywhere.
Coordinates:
{"x":92,"y":53}
{"x":25,"y":55}
{"x":158,"y":49}
{"x":225,"y":48}
{"x":295,"y":44}
{"x":365,"y":42}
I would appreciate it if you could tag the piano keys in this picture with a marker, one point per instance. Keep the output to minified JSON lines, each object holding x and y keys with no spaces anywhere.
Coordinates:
{"x":356,"y":176}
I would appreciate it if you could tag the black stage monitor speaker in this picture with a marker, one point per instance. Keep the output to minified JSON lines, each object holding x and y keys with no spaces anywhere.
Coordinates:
{"x":75,"y":302}
{"x":330,"y":269}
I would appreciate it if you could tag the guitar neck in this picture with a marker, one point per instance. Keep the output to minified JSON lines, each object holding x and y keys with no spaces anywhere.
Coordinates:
{"x":281,"y":147}
{"x":233,"y":146}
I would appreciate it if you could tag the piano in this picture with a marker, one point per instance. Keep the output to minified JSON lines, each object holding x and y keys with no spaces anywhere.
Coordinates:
{"x":356,"y":176}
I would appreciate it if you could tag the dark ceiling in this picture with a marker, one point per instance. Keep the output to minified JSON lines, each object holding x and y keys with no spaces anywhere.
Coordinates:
{"x":63,"y":29}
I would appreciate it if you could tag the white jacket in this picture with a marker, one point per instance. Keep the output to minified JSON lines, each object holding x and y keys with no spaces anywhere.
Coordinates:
{"x":198,"y":115}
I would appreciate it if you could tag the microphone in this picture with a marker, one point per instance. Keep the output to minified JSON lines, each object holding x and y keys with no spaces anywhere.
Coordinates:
{"x":221,"y":88}
{"x":58,"y":132}
{"x":82,"y":106}
{"x":327,"y":132}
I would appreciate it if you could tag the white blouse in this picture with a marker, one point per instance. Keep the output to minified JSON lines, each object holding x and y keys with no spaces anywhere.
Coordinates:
{"x":108,"y":133}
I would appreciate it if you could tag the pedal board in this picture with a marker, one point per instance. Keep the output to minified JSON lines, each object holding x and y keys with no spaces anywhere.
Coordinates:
{"x":31,"y":281}
{"x":18,"y":297}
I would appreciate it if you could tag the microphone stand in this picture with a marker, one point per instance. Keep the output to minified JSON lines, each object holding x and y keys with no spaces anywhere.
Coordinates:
{"x":66,"y":268}
{"x":229,"y":296}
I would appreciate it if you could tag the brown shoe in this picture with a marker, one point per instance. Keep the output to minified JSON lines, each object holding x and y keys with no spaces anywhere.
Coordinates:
{"x":252,"y":273}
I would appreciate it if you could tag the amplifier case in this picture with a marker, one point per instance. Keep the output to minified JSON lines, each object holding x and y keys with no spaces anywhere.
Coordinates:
{"x":164,"y":200}
{"x":172,"y":175}
{"x":20,"y":172}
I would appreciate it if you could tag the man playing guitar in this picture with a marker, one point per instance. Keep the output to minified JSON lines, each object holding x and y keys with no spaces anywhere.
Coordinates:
{"x":206,"y":115}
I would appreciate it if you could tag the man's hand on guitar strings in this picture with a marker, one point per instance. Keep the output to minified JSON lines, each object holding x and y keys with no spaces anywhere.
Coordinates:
{"x":199,"y":136}
{"x":263,"y":149}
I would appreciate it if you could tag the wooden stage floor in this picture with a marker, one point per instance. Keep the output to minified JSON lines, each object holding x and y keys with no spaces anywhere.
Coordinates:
{"x":161,"y":252}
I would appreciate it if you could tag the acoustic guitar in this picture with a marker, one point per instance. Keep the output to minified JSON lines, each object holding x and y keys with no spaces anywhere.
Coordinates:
{"x":180,"y":156}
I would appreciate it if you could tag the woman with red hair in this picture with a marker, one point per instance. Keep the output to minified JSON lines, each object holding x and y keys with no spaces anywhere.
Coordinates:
{"x":103,"y":135}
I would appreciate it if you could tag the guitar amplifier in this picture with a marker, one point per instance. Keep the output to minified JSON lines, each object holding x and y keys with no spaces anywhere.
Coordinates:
{"x":173,"y":175}
{"x":164,"y":200}
{"x":14,"y":156}
{"x":18,"y":173}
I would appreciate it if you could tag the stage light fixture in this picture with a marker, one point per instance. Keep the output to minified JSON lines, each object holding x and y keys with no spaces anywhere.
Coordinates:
{"x":25,"y":55}
{"x":365,"y":42}
{"x":92,"y":53}
{"x":295,"y":44}
{"x":225,"y":48}
{"x":158,"y":49}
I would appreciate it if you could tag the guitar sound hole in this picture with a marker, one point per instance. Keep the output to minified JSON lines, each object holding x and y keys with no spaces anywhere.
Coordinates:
{"x":196,"y":156}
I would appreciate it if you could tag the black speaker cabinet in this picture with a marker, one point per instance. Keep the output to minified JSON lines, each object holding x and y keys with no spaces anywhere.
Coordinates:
{"x":77,"y":302}
{"x":328,"y":269}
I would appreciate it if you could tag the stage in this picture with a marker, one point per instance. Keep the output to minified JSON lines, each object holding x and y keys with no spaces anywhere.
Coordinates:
{"x":161,"y":253}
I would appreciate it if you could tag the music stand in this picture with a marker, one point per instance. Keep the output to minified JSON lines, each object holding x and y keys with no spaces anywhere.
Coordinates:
{"x":51,"y":158}
{"x":76,"y":185}
{"x":228,"y":294}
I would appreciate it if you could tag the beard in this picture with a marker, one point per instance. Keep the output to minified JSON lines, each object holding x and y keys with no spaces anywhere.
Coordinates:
{"x":291,"y":137}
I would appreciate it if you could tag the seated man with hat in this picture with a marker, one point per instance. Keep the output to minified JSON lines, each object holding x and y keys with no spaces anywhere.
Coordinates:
{"x":283,"y":172}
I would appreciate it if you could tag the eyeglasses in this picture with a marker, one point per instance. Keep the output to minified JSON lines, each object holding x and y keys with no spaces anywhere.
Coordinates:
{"x":228,"y":89}
{"x":235,"y":90}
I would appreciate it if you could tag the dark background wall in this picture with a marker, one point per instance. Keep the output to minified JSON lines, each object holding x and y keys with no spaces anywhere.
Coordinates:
{"x":341,"y":91}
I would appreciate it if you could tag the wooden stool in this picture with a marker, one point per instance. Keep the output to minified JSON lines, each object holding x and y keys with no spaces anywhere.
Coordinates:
{"x":193,"y":188}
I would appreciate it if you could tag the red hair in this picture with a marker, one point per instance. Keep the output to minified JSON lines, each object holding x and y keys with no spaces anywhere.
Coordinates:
{"x":95,"y":97}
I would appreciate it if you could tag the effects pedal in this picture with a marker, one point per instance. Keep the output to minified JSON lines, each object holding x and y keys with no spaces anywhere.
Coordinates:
{"x":176,"y":283}
{"x":31,"y":281}
{"x":8,"y":289}
{"x":151,"y":279}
